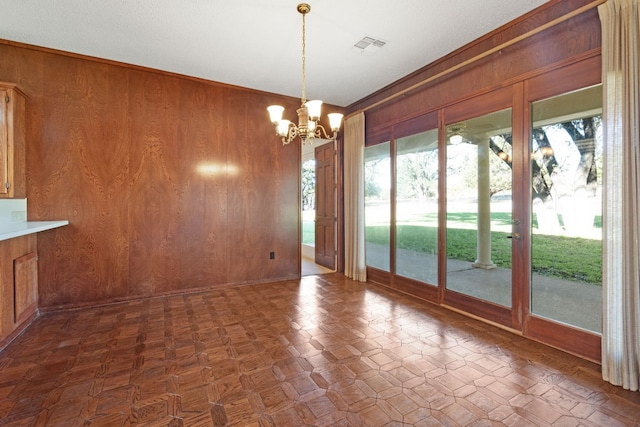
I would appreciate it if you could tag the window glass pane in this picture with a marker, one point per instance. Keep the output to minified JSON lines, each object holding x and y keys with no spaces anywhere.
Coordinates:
{"x":308,"y":201}
{"x":377,"y":195}
{"x":566,"y":235}
{"x":479,"y":223}
{"x":417,"y":207}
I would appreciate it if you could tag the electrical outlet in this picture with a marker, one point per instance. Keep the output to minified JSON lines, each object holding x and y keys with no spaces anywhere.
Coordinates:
{"x":272,"y":255}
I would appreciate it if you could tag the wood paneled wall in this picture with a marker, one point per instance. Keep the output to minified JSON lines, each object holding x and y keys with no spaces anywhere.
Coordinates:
{"x":173,"y":184}
{"x":170,"y":184}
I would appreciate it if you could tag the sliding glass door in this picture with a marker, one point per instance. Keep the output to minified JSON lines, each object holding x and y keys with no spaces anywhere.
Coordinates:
{"x":479,"y":207}
{"x":416,"y":207}
{"x":566,"y":206}
{"x":402,"y":182}
{"x":377,"y":199}
{"x":492,"y":207}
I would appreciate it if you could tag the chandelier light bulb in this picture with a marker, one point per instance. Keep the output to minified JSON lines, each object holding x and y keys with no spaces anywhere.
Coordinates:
{"x":314,"y":108}
{"x":282,"y":128}
{"x":335,"y":120}
{"x":275,"y":113}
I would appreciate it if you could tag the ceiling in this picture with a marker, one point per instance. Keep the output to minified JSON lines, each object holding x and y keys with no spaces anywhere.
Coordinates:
{"x":257,"y":43}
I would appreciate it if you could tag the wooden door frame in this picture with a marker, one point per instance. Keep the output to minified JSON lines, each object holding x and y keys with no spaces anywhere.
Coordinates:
{"x":339,"y":190}
{"x":572,"y":339}
{"x":483,"y":104}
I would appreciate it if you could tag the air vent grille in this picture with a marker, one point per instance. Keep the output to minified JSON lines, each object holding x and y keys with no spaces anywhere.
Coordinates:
{"x":367,"y":41}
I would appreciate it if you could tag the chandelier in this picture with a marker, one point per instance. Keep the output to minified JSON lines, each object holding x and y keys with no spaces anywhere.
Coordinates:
{"x":308,"y":127}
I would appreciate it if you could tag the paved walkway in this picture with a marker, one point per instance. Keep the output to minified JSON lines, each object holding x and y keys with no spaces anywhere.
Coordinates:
{"x":565,"y":301}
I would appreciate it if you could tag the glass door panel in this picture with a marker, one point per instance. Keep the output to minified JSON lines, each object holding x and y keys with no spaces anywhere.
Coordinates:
{"x":308,"y":202}
{"x":479,"y":207}
{"x":417,"y":207}
{"x":566,"y":234}
{"x":377,"y":200}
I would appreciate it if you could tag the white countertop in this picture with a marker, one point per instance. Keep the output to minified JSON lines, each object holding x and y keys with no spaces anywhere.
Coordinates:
{"x":17,"y":229}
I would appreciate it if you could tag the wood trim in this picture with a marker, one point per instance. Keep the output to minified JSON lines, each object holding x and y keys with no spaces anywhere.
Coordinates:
{"x":575,"y":341}
{"x":487,"y":103}
{"x":425,"y":291}
{"x":393,"y":193}
{"x":379,"y":131}
{"x":442,"y":205}
{"x":4,"y":143}
{"x":422,"y":123}
{"x":192,"y":291}
{"x":20,"y":328}
{"x":378,"y":136}
{"x":378,"y":276}
{"x":520,"y":250}
{"x":484,"y":54}
{"x":484,"y":309}
{"x":340,"y":206}
{"x":576,"y":75}
{"x":128,"y":66}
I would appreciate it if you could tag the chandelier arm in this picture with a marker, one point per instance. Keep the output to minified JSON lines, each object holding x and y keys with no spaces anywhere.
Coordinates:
{"x":291,"y":135}
{"x":322,"y":133}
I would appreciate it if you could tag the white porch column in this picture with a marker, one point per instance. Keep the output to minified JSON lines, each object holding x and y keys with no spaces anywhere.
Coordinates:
{"x":484,"y":207}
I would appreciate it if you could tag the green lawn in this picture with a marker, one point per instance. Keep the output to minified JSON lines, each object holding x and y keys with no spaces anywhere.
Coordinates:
{"x":556,"y":256}
{"x":563,"y":257}
{"x":308,"y":232}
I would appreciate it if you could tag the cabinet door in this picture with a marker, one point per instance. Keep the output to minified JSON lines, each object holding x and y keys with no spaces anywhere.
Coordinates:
{"x":4,"y":128}
{"x":25,"y":286}
{"x":12,"y":141}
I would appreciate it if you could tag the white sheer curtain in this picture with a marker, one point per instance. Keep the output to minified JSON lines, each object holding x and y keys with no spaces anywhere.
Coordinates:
{"x":620,"y":20}
{"x":354,"y":257}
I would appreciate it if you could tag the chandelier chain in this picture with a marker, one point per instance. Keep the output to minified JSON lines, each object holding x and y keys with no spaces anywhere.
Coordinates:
{"x":304,"y":71}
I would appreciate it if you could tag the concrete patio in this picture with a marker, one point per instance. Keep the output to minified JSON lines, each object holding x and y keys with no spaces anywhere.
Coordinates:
{"x":565,"y":301}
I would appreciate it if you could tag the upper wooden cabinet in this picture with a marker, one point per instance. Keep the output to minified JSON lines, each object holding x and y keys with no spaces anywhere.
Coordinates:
{"x":12,"y":141}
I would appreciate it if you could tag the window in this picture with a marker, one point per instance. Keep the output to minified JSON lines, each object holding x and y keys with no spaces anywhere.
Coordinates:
{"x":308,"y":202}
{"x":377,"y":196}
{"x":479,"y":207}
{"x":566,"y":206}
{"x":417,"y":207}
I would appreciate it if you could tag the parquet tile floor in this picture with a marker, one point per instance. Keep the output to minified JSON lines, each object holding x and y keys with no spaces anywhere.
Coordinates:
{"x":321,"y":351}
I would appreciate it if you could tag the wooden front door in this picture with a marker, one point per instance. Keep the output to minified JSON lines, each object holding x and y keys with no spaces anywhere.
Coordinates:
{"x":325,"y":206}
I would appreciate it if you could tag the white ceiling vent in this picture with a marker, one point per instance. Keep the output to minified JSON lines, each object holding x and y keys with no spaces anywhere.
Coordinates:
{"x":366,"y":42}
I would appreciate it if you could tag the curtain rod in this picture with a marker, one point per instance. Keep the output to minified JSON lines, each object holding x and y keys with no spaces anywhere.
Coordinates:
{"x":482,"y":55}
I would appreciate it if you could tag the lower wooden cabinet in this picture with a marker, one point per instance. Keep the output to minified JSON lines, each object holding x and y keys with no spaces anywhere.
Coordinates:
{"x":25,"y":287}
{"x":18,"y":285}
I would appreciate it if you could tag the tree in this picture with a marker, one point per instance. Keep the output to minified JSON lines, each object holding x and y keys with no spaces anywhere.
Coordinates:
{"x":557,"y":182}
{"x":578,"y":213}
{"x":371,"y":188}
{"x":418,"y":175}
{"x":462,"y":170}
{"x":308,"y":185}
{"x":500,"y":164}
